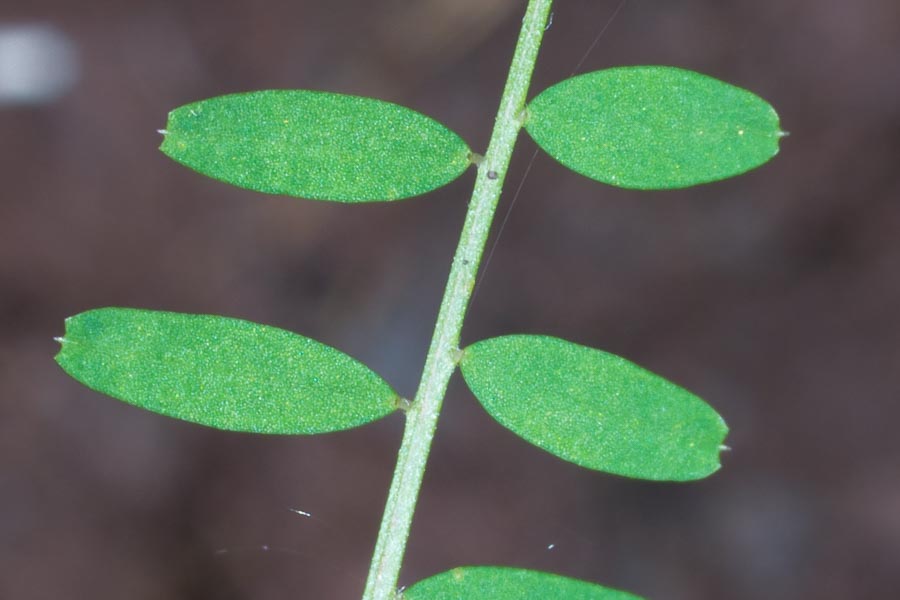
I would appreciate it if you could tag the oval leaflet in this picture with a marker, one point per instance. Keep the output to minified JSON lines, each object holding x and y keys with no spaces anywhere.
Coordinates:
{"x":221,"y":372}
{"x":507,"y":583}
{"x":653,"y":127}
{"x":593,"y":408}
{"x":316,"y":145}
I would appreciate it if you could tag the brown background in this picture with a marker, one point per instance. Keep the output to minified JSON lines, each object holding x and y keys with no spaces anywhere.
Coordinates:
{"x":774,"y":296}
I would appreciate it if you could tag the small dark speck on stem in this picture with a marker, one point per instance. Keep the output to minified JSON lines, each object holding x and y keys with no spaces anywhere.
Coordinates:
{"x":492,"y":175}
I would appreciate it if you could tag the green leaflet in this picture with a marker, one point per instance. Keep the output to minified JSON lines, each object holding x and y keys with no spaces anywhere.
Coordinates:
{"x":594,"y":409}
{"x":505,"y":583}
{"x":315,"y":145}
{"x":653,"y":127}
{"x":224,"y":373}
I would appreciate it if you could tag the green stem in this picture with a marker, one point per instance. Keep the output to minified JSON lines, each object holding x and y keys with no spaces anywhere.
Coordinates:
{"x":443,"y":354}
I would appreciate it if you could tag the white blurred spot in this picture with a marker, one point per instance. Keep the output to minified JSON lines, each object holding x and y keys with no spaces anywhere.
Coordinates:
{"x":38,"y":64}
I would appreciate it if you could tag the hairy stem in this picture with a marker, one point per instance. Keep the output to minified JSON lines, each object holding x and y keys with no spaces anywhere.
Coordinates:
{"x":443,"y":354}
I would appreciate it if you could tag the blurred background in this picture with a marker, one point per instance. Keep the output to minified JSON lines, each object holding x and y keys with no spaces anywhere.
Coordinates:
{"x":774,"y":296}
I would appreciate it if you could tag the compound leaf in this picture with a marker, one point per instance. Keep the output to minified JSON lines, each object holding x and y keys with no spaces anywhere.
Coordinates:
{"x":653,"y":127}
{"x":316,"y":145}
{"x":593,"y":408}
{"x":506,"y":583}
{"x":221,"y":372}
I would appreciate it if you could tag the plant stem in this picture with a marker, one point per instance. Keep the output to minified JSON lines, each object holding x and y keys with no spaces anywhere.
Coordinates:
{"x":443,"y":354}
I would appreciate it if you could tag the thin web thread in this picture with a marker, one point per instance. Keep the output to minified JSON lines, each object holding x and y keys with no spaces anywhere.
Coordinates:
{"x":596,"y":41}
{"x":512,"y":203}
